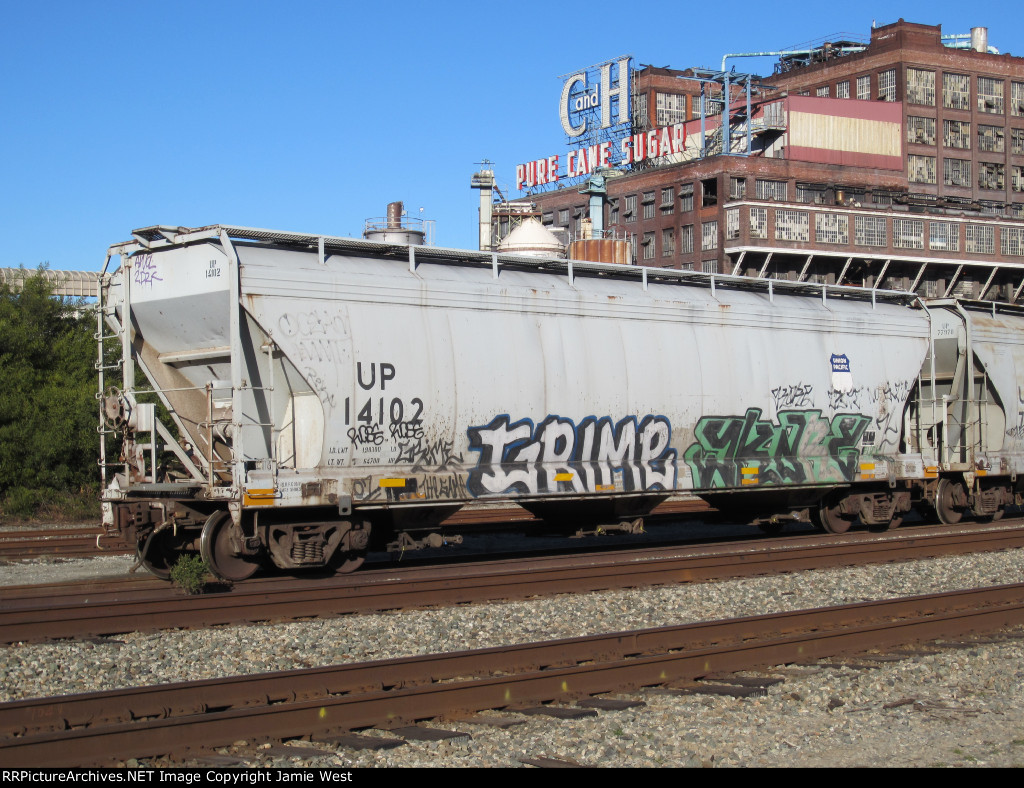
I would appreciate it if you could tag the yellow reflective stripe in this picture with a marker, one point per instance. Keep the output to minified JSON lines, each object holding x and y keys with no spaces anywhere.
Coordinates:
{"x":259,"y":496}
{"x":563,"y":477}
{"x":392,"y":482}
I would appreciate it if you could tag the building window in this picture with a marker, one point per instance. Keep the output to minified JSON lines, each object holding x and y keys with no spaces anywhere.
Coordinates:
{"x":908,"y":233}
{"x":956,"y":134}
{"x":548,"y":219}
{"x":956,"y":91}
{"x":1017,"y":99}
{"x":843,"y":89}
{"x":671,"y":108}
{"x":686,"y":197}
{"x":944,"y":236}
{"x":956,"y":172}
{"x":991,"y":175}
{"x":668,"y":242}
{"x":864,"y":88}
{"x":822,"y":92}
{"x":732,"y":223}
{"x":990,"y":95}
{"x":869,"y":231}
{"x":991,"y":138}
{"x":832,"y":228}
{"x":613,"y":212}
{"x":648,"y":244}
{"x":686,"y":239}
{"x":563,"y":217}
{"x":640,"y":117}
{"x":708,"y":236}
{"x":792,"y":225}
{"x":1017,"y":209}
{"x":1011,"y":241}
{"x":1017,"y":178}
{"x":771,"y":190}
{"x":981,"y":239}
{"x":887,"y":85}
{"x":921,"y":169}
{"x":630,"y":208}
{"x":1017,"y":141}
{"x":758,"y":222}
{"x":709,"y":187}
{"x":813,"y":193}
{"x":709,"y":267}
{"x":648,"y":203}
{"x":668,"y":200}
{"x":921,"y":130}
{"x":920,"y":87}
{"x":737,"y":188}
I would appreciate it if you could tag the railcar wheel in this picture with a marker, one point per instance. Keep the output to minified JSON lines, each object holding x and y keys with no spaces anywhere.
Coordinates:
{"x":831,"y":519}
{"x":156,"y":553}
{"x":344,"y":563}
{"x":950,"y":499}
{"x":351,"y":553}
{"x":218,"y":553}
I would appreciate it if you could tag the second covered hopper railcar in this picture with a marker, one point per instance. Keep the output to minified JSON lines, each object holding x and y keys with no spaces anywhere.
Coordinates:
{"x":305,"y":393}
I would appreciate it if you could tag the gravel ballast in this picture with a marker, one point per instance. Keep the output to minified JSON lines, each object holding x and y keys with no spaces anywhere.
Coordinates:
{"x":958,"y":706}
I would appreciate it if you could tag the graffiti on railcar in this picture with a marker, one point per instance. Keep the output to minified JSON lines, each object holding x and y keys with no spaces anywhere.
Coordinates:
{"x":886,"y":400}
{"x":797,"y":395}
{"x":451,"y":486}
{"x":803,"y":446}
{"x":559,"y":455}
{"x":145,"y":268}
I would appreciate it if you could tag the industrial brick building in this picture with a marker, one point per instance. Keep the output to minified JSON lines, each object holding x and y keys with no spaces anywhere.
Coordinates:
{"x":897,"y":163}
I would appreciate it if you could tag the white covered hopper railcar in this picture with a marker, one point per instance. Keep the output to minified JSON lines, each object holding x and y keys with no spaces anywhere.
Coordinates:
{"x":304,"y":391}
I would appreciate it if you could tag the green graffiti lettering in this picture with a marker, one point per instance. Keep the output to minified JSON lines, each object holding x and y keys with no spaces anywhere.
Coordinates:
{"x":803,"y":448}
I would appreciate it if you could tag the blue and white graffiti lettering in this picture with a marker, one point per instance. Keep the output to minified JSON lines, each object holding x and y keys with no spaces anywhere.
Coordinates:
{"x":559,"y":455}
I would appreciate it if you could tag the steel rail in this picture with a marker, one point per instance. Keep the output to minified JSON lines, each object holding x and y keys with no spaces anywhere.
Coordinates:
{"x":99,"y":728}
{"x":25,"y":619}
{"x":56,"y":541}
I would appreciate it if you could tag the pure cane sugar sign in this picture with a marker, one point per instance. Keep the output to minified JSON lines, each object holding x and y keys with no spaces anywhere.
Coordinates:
{"x":631,"y":149}
{"x":594,"y":102}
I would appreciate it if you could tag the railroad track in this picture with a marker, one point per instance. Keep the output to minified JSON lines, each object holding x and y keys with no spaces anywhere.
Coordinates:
{"x":80,"y":610}
{"x":102,"y":728}
{"x":59,"y":542}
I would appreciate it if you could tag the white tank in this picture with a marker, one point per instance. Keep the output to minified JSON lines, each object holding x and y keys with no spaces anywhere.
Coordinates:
{"x":533,"y":239}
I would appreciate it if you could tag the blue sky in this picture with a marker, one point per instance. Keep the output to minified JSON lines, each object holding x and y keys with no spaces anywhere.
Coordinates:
{"x":312,"y":116}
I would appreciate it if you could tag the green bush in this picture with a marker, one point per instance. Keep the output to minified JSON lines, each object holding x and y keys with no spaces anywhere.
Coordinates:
{"x":191,"y":574}
{"x":48,"y":409}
